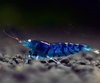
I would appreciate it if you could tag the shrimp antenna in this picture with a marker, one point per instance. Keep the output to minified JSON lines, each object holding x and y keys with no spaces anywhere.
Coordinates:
{"x":16,"y":38}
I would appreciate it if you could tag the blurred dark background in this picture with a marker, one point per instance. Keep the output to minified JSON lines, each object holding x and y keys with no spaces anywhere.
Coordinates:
{"x":58,"y":20}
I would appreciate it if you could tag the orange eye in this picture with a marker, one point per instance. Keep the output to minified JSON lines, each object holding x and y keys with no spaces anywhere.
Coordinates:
{"x":17,"y":38}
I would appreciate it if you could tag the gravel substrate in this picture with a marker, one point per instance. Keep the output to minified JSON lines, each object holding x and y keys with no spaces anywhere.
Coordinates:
{"x":83,"y":67}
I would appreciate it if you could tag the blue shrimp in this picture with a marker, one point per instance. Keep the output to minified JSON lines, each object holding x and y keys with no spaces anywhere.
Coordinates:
{"x":43,"y":50}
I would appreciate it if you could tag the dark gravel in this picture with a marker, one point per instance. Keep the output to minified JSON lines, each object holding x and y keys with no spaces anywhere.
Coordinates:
{"x":83,"y":67}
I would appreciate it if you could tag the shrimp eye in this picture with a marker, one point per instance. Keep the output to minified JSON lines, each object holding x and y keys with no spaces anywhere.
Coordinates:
{"x":29,"y":40}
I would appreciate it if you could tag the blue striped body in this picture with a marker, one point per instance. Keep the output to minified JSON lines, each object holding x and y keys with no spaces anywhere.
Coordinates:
{"x":40,"y":49}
